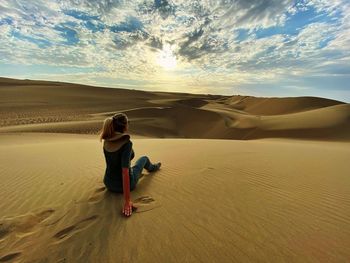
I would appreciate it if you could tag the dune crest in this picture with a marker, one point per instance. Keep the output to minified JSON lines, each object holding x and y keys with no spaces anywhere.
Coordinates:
{"x":71,"y":108}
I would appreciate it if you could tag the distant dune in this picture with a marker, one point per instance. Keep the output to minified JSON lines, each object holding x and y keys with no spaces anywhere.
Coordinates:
{"x":42,"y":106}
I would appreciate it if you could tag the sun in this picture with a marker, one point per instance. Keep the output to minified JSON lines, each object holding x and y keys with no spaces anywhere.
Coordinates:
{"x":166,"y":58}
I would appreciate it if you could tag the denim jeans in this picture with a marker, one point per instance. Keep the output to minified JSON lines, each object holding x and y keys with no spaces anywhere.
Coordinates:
{"x":136,"y":171}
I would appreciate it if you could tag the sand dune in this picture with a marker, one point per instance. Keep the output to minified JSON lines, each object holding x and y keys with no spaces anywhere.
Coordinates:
{"x":266,"y":197}
{"x":331,"y":122}
{"x":71,"y":108}
{"x":223,"y":201}
{"x":277,"y":106}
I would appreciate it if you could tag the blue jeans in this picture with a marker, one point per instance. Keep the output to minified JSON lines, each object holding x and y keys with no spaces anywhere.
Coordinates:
{"x":136,"y":171}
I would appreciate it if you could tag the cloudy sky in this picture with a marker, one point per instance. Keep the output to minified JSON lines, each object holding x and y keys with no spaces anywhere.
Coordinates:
{"x":248,"y":47}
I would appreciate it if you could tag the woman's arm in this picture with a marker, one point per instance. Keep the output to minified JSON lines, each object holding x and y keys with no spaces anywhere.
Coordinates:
{"x":127,"y":208}
{"x":126,"y":184}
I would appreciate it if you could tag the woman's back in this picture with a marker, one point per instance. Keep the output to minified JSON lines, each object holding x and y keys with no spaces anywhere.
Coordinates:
{"x":118,"y":153}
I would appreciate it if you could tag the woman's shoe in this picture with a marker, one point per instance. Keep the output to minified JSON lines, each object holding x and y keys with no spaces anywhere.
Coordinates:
{"x":155,"y":167}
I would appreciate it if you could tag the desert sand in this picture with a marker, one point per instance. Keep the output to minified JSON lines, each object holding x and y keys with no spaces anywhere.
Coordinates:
{"x":39,"y":106}
{"x":243,"y":179}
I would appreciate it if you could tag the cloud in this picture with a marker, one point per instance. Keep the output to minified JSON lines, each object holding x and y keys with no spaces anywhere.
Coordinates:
{"x":225,"y":44}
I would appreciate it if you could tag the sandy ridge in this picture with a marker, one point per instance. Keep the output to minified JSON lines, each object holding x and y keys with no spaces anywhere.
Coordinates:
{"x":72,"y":108}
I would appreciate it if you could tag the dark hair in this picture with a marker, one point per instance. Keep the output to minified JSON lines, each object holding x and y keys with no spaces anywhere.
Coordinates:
{"x":120,"y":120}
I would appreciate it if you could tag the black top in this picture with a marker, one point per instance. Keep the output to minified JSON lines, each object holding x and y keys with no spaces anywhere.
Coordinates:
{"x":115,"y":161}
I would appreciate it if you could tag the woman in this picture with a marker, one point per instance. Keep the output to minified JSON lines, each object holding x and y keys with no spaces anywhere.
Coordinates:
{"x":117,"y":148}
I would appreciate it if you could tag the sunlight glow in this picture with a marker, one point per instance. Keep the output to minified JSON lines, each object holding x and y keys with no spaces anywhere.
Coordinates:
{"x":166,"y":58}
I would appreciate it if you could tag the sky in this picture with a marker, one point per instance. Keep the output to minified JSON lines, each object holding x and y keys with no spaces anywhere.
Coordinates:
{"x":266,"y":48}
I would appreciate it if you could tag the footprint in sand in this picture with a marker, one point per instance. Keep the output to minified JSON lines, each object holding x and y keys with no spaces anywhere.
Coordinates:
{"x":10,"y":257}
{"x":73,"y":229}
{"x":145,"y":203}
{"x":101,"y":189}
{"x":144,"y":199}
{"x":23,"y":224}
{"x":28,"y":222}
{"x":96,"y":196}
{"x":5,"y":229}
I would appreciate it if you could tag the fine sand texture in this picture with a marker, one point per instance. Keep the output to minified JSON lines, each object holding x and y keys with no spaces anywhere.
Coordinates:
{"x":266,"y":200}
{"x":243,"y":179}
{"x":41,"y":106}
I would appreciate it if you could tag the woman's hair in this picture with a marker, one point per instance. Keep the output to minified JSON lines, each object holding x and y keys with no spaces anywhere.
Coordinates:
{"x":116,"y":123}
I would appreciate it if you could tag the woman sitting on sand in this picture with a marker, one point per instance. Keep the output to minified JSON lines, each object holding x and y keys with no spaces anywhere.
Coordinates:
{"x":117,"y":148}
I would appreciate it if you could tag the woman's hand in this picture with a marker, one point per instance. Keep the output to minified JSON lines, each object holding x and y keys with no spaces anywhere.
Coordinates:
{"x":128,"y":208}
